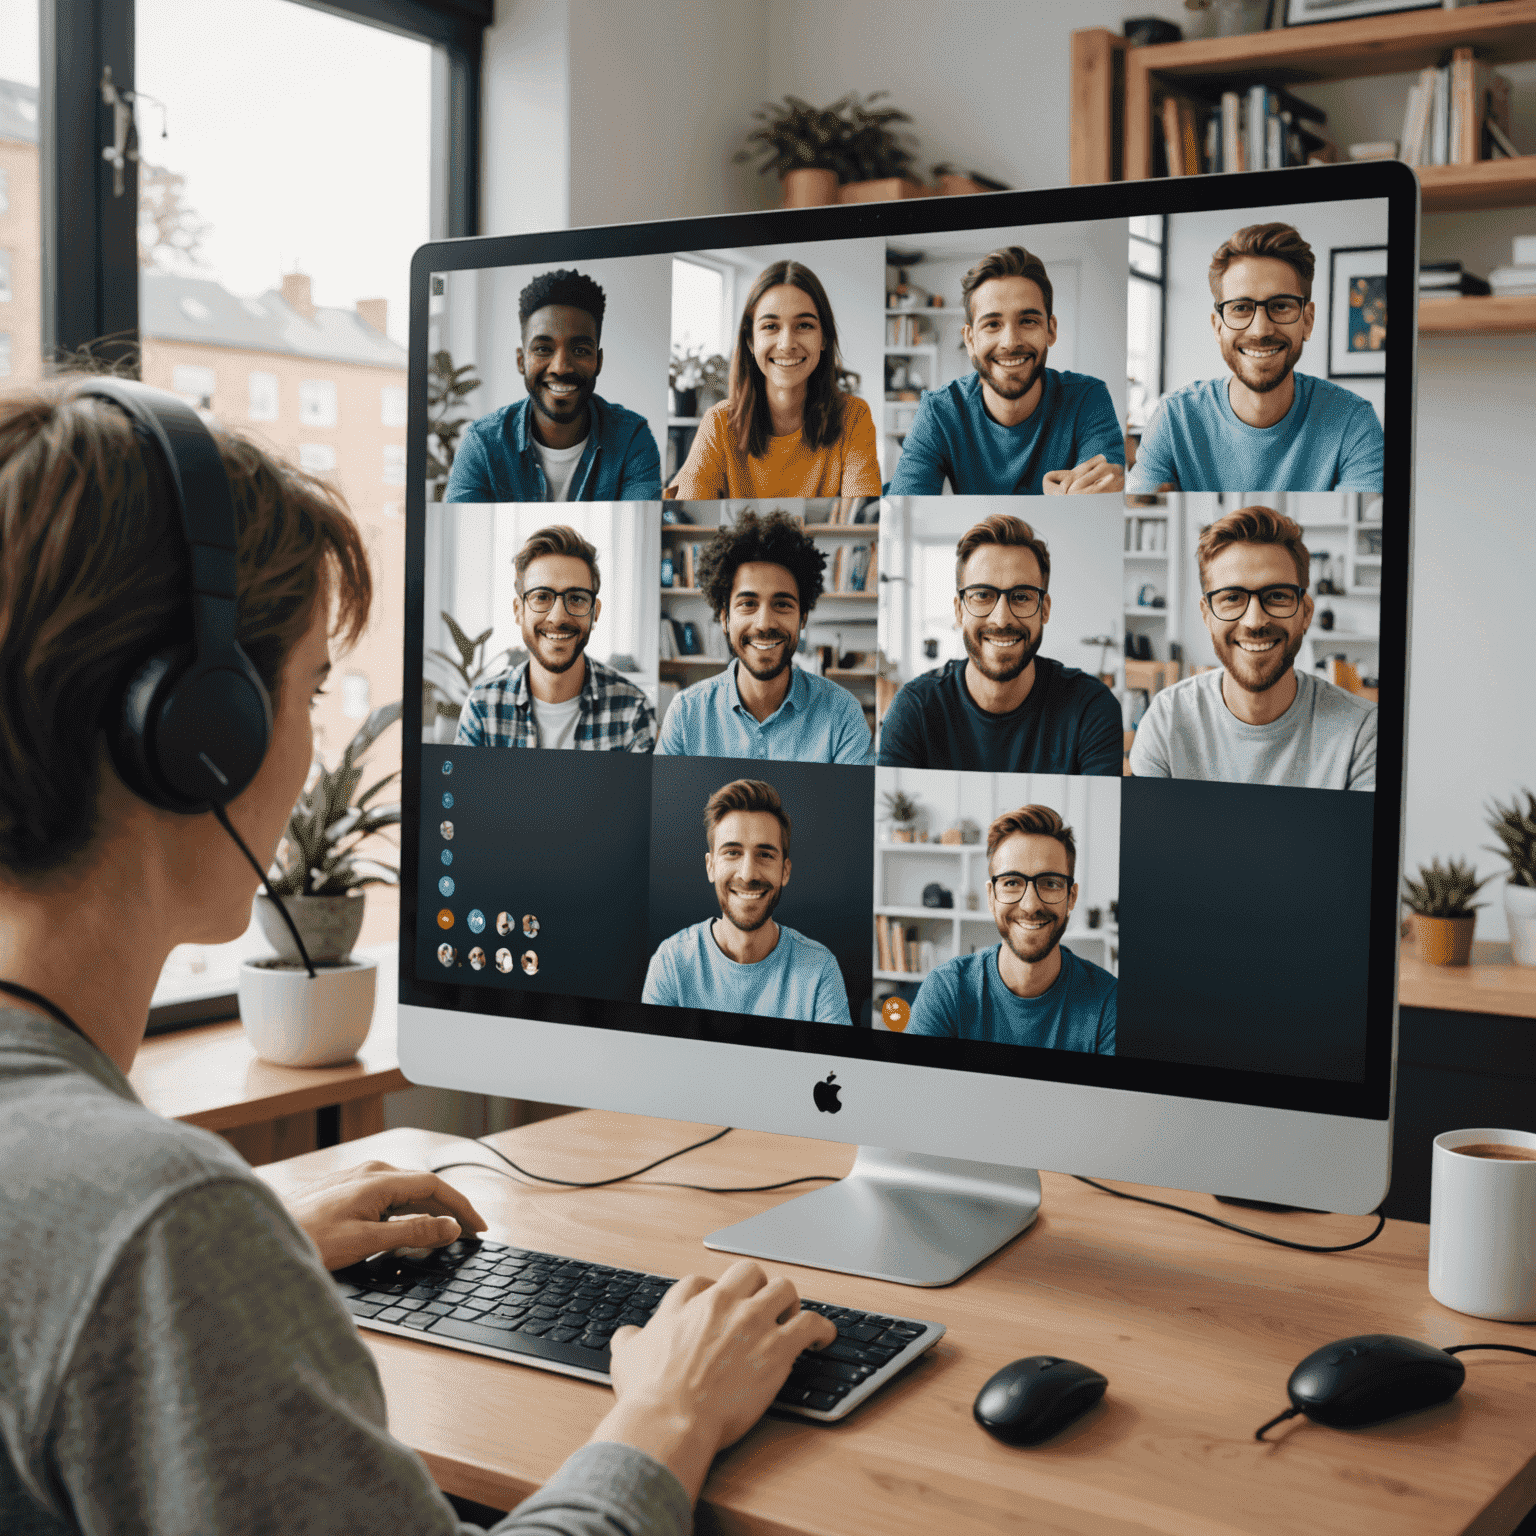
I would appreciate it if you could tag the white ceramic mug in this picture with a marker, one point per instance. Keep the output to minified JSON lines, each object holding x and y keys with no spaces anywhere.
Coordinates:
{"x":299,"y":1021}
{"x":1482,"y":1226}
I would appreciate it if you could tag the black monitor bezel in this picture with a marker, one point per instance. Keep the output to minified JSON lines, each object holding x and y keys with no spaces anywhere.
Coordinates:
{"x":1369,"y":1099}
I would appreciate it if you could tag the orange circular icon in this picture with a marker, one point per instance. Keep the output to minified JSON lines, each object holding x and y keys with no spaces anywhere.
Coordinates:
{"x":895,"y":1014}
{"x":445,"y":918}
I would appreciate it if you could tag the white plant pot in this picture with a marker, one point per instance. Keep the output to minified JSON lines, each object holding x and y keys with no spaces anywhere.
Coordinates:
{"x":298,"y":1021}
{"x":1520,"y":914}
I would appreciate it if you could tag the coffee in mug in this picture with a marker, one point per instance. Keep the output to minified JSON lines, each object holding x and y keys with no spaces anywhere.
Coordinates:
{"x":1498,"y":1150}
{"x":1482,"y":1223}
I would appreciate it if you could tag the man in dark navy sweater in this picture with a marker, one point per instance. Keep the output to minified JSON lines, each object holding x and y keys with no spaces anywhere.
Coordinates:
{"x":1004,"y":709}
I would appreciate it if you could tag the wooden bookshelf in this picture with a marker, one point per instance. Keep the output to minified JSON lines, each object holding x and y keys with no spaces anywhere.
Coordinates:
{"x":1488,"y":315}
{"x":1483,"y":184}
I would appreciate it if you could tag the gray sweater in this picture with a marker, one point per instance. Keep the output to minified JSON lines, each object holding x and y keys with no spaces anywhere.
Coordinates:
{"x":174,"y":1358}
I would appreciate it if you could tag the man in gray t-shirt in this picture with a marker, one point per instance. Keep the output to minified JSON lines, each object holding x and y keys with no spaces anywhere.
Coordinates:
{"x":1257,"y":720}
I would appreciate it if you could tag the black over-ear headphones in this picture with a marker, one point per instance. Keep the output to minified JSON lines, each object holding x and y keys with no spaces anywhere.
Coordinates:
{"x":193,"y":724}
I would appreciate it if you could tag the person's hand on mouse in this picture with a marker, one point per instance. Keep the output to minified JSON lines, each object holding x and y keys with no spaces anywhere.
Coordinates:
{"x":701,"y":1372}
{"x":371,"y":1207}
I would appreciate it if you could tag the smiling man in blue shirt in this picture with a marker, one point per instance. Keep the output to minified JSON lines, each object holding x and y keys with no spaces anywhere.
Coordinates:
{"x":1266,"y":427}
{"x":762,"y":576}
{"x":743,"y":961}
{"x":1027,"y":990}
{"x":1013,"y":427}
{"x":563,"y":442}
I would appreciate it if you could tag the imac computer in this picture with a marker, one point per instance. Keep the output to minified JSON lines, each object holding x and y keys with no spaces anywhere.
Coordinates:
{"x":956,"y":706}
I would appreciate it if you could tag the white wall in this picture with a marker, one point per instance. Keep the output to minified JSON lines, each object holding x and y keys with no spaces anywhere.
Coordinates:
{"x":1192,"y":349}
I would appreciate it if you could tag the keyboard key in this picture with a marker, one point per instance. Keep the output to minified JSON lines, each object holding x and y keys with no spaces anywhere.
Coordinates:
{"x":840,"y":1370}
{"x":421,"y":1320}
{"x":596,"y":1342}
{"x":471,"y":1313}
{"x":359,"y":1308}
{"x":423,"y":1292}
{"x":863,"y":1333}
{"x":856,"y":1354}
{"x":821,"y":1401}
{"x":548,"y":1313}
{"x":535,"y":1326}
{"x":603,"y":1330}
{"x":603,"y":1310}
{"x":392,"y":1315}
{"x":577,"y":1305}
{"x":563,"y":1335}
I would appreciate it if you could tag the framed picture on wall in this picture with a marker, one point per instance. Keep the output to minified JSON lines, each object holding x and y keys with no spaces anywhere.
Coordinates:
{"x":1302,"y":13}
{"x":1357,"y":312}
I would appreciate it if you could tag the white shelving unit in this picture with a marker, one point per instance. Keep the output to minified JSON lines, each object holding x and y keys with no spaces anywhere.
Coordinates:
{"x":899,"y":414}
{"x":1161,"y":569}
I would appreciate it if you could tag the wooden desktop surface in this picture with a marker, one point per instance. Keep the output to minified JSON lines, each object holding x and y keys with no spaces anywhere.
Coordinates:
{"x":1197,"y":1330}
{"x":1492,"y":983}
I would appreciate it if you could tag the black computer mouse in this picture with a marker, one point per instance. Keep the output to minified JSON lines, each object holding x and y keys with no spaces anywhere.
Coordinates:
{"x":1030,"y":1400}
{"x":1372,"y":1377}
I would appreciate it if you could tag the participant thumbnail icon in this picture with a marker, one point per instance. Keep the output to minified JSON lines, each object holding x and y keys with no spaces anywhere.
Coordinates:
{"x":445,"y":829}
{"x":476,"y":921}
{"x":504,"y":960}
{"x":446,"y":954}
{"x":530,"y":926}
{"x":477,"y":958}
{"x":447,"y":800}
{"x":447,"y":765}
{"x":505,"y":923}
{"x":530,"y":962}
{"x":446,"y":855}
{"x":445,"y":918}
{"x":445,"y":886}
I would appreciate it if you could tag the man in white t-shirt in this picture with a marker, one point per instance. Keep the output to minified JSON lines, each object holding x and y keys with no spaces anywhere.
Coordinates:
{"x":560,"y":697}
{"x":1257,"y":720}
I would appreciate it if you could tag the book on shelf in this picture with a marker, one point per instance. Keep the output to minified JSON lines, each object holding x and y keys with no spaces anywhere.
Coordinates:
{"x":1447,"y":279}
{"x":882,"y":942}
{"x":1457,"y":113}
{"x":908,"y":331}
{"x":1509,"y":281}
{"x":1262,"y":128}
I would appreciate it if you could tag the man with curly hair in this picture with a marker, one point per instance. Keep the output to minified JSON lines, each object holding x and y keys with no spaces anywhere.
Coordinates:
{"x":564,"y":442}
{"x":762,"y":576}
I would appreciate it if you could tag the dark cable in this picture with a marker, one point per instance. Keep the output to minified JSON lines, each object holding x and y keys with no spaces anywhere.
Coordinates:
{"x":27,"y":995}
{"x":1514,"y":1349}
{"x":261,"y":874}
{"x":1231,"y":1226}
{"x":1290,"y":1413}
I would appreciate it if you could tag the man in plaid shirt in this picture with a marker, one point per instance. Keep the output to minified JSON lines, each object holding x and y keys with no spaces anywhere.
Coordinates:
{"x":559,"y":697}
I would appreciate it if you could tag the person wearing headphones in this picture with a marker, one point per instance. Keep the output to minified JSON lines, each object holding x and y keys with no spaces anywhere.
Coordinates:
{"x":175,"y":1356}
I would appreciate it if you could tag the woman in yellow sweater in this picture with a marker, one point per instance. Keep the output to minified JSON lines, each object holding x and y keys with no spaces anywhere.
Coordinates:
{"x":786,"y":429}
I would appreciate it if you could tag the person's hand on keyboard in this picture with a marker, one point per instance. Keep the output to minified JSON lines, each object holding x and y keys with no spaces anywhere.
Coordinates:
{"x":702,"y":1371}
{"x":347,"y":1214}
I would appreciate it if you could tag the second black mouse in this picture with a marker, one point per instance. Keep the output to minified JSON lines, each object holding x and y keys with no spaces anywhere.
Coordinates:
{"x":1030,"y":1400}
{"x":1372,"y":1377}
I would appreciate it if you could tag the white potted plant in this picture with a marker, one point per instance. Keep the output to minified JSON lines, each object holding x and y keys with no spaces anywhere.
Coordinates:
{"x":901,"y":813}
{"x":321,"y":873}
{"x":1516,"y":831}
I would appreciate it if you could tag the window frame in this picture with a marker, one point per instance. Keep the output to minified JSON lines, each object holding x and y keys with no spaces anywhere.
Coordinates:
{"x":1160,"y":283}
{"x":91,"y":278}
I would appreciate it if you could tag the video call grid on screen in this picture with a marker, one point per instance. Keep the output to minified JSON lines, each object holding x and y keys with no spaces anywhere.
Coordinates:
{"x":1124,"y":567}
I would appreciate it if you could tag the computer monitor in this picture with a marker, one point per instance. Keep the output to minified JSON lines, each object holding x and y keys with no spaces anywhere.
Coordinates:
{"x":1089,"y":778}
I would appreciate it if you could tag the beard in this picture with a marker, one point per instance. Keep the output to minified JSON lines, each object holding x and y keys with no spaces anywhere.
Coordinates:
{"x":763,"y":671}
{"x":742,"y":922}
{"x":1032,"y":945}
{"x":538,"y":643}
{"x":1006,"y":671}
{"x":1261,"y":378}
{"x":1009,"y":386}
{"x":569,"y":407}
{"x":1258,"y":674}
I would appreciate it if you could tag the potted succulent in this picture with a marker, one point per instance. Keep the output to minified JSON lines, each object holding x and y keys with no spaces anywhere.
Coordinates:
{"x":1444,"y":913}
{"x":803,"y":146}
{"x":901,"y":812}
{"x":447,"y":389}
{"x":441,"y":706}
{"x":684,"y":376}
{"x":877,"y":157}
{"x":1516,"y":831}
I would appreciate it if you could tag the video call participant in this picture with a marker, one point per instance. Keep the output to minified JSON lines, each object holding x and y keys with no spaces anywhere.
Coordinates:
{"x":1005,"y":709}
{"x":1265,"y":427}
{"x":560,"y":697}
{"x":564,"y":442}
{"x":743,"y":961}
{"x":178,"y":1356}
{"x":762,"y":576}
{"x":1027,"y":990}
{"x":1013,"y":427}
{"x":786,"y":428}
{"x":1257,"y":720}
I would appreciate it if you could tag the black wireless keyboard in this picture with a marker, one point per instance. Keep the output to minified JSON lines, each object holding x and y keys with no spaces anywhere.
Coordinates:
{"x":556,"y":1313}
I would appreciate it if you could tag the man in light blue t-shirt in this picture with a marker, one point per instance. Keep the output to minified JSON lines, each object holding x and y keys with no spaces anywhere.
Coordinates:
{"x":1013,"y":427}
{"x":1027,"y":990}
{"x":1266,"y":427}
{"x":743,"y":961}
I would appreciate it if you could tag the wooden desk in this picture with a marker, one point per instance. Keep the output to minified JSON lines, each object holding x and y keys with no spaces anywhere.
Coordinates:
{"x":1493,"y":983}
{"x":1197,"y":1330}
{"x":210,"y":1076}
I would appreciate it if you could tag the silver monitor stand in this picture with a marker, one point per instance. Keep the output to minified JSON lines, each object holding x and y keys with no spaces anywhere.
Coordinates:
{"x":902,"y":1216}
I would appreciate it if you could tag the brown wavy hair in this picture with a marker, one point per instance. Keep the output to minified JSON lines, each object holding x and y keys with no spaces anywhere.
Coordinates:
{"x":95,"y":577}
{"x":1281,"y":241}
{"x":747,"y":408}
{"x":1254,"y":525}
{"x":1036,"y":821}
{"x":1003,"y":528}
{"x":744,"y":795}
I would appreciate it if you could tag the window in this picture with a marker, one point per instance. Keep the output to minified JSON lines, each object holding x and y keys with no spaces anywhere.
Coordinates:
{"x":317,"y":458}
{"x":262,"y":389}
{"x":699,"y":301}
{"x":5,"y":354}
{"x":317,"y":403}
{"x":392,"y":405}
{"x":355,"y":696}
{"x":394,"y":463}
{"x":1144,"y":318}
{"x":5,"y":190}
{"x":5,"y":276}
{"x":194,"y":383}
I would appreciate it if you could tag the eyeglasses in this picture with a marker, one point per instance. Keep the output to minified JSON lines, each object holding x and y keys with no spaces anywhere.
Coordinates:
{"x":1024,"y":602}
{"x":1009,"y":888}
{"x":578,"y":600}
{"x":1279,"y":601}
{"x":1282,"y":308}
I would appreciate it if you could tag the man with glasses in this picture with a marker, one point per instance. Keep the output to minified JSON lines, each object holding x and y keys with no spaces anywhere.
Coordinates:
{"x":559,"y":697}
{"x":1266,"y":427}
{"x":1005,"y":708}
{"x":1256,"y":719}
{"x":761,"y":577}
{"x":1028,"y":989}
{"x":743,"y":961}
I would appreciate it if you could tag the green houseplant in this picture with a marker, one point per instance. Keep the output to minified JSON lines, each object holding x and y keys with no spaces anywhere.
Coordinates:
{"x":1515,"y":829}
{"x":803,"y":146}
{"x":441,"y":706}
{"x":875,"y":151}
{"x":324,"y":864}
{"x":1444,"y":914}
{"x":447,"y":389}
{"x":901,"y":812}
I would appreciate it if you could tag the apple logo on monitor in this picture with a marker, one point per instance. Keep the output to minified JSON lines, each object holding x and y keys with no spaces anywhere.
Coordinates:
{"x":826,"y":1094}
